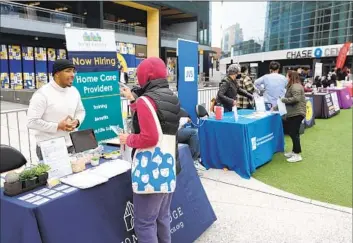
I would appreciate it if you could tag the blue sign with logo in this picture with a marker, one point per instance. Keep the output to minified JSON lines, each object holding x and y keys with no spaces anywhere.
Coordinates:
{"x":318,"y":52}
{"x":187,"y":52}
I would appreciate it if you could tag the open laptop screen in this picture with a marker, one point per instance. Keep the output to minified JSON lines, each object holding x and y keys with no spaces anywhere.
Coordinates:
{"x":83,"y":140}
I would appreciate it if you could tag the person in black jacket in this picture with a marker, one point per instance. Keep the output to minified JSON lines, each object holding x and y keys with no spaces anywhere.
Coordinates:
{"x":229,"y":89}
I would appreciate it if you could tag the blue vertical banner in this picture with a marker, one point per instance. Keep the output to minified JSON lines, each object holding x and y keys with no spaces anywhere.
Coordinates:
{"x":187,"y":52}
{"x":15,"y":63}
{"x":51,"y":59}
{"x":28,"y":67}
{"x":93,"y":52}
{"x":4,"y":67}
{"x":41,"y":66}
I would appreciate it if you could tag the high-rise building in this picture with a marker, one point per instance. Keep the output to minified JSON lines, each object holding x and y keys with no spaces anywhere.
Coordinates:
{"x":231,"y":36}
{"x":299,"y":34}
{"x":307,"y":23}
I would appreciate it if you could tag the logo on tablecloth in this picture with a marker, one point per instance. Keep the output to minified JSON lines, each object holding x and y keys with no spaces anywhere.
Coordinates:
{"x":253,"y":143}
{"x":256,"y":142}
{"x":129,"y":216}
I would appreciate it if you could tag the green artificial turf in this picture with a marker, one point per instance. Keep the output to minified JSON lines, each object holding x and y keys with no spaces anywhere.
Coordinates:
{"x":325,"y":174}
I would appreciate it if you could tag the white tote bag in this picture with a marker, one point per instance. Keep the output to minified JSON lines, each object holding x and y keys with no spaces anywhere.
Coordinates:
{"x":154,"y":169}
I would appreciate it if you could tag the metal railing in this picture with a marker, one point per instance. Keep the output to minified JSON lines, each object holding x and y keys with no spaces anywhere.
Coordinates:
{"x":17,"y":10}
{"x":125,"y":28}
{"x":14,"y":131}
{"x":173,"y":36}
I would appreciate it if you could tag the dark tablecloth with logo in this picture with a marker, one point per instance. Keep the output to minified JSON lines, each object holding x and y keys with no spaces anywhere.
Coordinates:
{"x":323,"y":105}
{"x":104,"y":214}
{"x":241,"y":146}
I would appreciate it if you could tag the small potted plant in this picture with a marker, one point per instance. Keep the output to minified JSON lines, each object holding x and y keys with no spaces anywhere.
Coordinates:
{"x":41,"y":172}
{"x":12,"y":184}
{"x":28,"y":177}
{"x":95,"y":161}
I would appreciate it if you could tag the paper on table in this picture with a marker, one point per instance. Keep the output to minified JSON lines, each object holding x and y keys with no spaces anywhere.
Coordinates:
{"x":58,"y":194}
{"x":56,"y":156}
{"x":48,"y":193}
{"x":111,"y":168}
{"x":33,"y":199}
{"x":260,"y":104}
{"x":25,"y":197}
{"x":41,"y":201}
{"x":70,"y":189}
{"x":281,"y":107}
{"x":62,"y":187}
{"x":41,"y":191}
{"x":83,"y":180}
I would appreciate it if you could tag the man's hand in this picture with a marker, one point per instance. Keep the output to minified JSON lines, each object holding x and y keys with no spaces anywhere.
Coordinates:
{"x":75,"y":123}
{"x":66,"y":124}
{"x":126,"y":92}
{"x":234,"y":103}
{"x":123,"y":138}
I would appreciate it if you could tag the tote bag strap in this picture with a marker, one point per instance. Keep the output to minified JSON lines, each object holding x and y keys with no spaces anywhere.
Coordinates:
{"x":155,"y":117}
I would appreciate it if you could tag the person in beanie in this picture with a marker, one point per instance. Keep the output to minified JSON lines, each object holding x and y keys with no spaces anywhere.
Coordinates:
{"x":56,"y":108}
{"x":229,"y":89}
{"x":152,"y":211}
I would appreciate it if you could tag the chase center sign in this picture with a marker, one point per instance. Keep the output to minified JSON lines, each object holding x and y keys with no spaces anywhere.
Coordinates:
{"x":317,"y":52}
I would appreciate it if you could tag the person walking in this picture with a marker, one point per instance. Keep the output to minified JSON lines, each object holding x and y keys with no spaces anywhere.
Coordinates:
{"x":56,"y":108}
{"x":156,"y":118}
{"x":294,"y":100}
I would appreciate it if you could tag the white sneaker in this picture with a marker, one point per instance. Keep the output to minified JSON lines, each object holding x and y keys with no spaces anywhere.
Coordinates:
{"x":288,"y":154}
{"x":295,"y":158}
{"x":199,"y":166}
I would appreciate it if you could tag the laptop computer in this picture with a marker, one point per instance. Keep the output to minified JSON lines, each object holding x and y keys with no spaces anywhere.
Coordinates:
{"x":84,"y":140}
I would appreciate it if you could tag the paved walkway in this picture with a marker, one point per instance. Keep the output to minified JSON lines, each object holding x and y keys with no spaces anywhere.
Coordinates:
{"x":249,"y":211}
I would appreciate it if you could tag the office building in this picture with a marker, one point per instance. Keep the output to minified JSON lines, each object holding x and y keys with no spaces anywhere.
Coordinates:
{"x":32,"y":34}
{"x":231,"y":36}
{"x":302,"y":33}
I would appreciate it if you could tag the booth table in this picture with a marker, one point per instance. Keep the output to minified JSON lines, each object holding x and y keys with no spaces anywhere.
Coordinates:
{"x":104,"y":214}
{"x":241,"y":146}
{"x":344,"y":97}
{"x":324,"y":105}
{"x":349,"y":87}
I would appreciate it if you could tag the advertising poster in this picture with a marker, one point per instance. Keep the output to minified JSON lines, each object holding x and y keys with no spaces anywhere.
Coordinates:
{"x":94,"y":54}
{"x":127,"y":60}
{"x":61,"y":54}
{"x":4,"y":67}
{"x":51,"y":59}
{"x":28,"y":67}
{"x":15,"y":63}
{"x":41,"y":66}
{"x":172,"y":69}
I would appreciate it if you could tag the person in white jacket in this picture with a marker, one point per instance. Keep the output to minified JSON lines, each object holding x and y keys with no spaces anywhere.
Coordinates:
{"x":56,"y":108}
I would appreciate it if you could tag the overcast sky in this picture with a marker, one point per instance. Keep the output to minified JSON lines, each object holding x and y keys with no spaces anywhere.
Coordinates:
{"x":250,"y":15}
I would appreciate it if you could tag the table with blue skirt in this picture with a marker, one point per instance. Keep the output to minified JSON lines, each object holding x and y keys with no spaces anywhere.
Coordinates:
{"x":104,"y":214}
{"x":241,"y":145}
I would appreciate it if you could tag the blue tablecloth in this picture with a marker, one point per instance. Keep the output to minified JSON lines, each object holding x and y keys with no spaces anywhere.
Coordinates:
{"x":102,"y":214}
{"x":241,"y":146}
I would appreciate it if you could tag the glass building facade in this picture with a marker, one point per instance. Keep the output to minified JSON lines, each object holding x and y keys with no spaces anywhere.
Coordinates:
{"x":292,"y":25}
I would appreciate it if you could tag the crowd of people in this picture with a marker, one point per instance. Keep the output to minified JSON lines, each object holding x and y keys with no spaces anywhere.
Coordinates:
{"x":238,"y":90}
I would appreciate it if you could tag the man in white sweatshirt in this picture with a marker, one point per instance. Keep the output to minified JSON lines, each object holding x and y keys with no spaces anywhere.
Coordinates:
{"x":56,"y":108}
